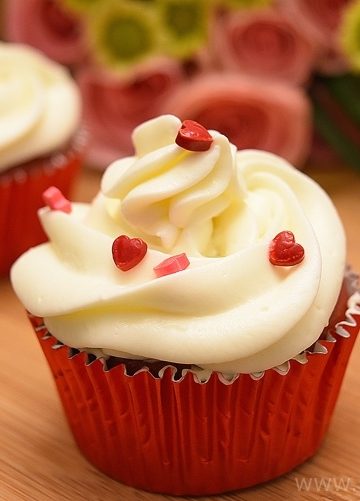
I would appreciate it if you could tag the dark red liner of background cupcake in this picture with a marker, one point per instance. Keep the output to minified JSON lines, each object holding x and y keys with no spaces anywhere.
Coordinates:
{"x":21,"y":190}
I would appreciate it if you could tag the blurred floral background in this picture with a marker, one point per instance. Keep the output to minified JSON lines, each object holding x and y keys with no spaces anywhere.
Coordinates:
{"x":277,"y":75}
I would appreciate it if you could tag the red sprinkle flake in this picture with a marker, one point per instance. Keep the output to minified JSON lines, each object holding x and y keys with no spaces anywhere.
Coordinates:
{"x":55,"y":200}
{"x":193,"y":137}
{"x":128,"y":252}
{"x":284,"y":251}
{"x":171,"y":265}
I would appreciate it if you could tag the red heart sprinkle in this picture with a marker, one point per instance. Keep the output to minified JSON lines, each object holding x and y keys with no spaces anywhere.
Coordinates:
{"x":55,"y":200}
{"x":193,"y":137}
{"x":284,"y":251}
{"x":171,"y":265}
{"x":128,"y":252}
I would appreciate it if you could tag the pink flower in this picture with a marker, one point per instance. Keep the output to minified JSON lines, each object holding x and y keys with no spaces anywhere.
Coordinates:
{"x":264,"y":43}
{"x":254,"y":114}
{"x":114,"y":106}
{"x":320,"y":21}
{"x":46,"y":26}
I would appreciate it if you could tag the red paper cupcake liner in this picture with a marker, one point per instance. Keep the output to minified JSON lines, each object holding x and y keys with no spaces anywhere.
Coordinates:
{"x":21,"y":190}
{"x":190,"y":438}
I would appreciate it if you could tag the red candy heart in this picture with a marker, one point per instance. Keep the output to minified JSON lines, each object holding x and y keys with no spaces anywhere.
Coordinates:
{"x":55,"y":200}
{"x":171,"y":265}
{"x":284,"y":251}
{"x":128,"y":252}
{"x":193,"y":137}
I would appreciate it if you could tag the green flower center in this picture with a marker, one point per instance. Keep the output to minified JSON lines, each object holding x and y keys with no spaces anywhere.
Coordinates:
{"x":126,"y":37}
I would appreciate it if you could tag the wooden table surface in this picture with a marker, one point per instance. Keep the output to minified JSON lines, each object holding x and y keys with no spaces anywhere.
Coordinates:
{"x":38,"y":457}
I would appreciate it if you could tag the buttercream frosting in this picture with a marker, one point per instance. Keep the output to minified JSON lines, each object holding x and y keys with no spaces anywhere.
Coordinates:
{"x":231,"y":310}
{"x":39,"y":105}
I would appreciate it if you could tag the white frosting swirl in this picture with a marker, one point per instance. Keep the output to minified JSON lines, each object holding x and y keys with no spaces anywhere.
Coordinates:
{"x":169,"y":196}
{"x":233,"y":311}
{"x":39,"y":105}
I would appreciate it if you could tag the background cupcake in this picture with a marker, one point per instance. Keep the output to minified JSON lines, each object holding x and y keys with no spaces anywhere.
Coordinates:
{"x":40,"y":143}
{"x":170,"y":384}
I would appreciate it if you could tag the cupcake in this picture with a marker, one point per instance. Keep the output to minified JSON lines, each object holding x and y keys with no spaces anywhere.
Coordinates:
{"x":40,"y":143}
{"x":202,"y":317}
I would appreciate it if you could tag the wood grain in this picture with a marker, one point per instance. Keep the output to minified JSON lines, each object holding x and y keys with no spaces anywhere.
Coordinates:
{"x":39,"y":460}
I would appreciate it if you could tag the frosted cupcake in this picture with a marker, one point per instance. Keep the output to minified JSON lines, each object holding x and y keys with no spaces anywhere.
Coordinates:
{"x":202,"y":318}
{"x":40,"y":143}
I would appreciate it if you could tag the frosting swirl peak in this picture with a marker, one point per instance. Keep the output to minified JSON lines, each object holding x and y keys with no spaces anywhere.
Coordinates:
{"x":169,"y":195}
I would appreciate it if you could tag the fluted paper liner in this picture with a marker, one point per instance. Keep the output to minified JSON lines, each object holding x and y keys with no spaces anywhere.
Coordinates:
{"x":187,"y":437}
{"x":21,"y":192}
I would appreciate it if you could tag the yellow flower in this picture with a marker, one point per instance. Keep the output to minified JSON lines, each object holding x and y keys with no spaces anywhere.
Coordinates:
{"x":123,"y":33}
{"x":185,"y":25}
{"x":350,"y":34}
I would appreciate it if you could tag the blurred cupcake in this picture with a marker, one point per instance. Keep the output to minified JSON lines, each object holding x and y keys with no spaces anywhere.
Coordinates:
{"x":40,"y":143}
{"x":202,"y":317}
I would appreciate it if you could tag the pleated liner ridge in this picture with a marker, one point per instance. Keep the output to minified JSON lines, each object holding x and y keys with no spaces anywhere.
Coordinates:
{"x":187,"y":438}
